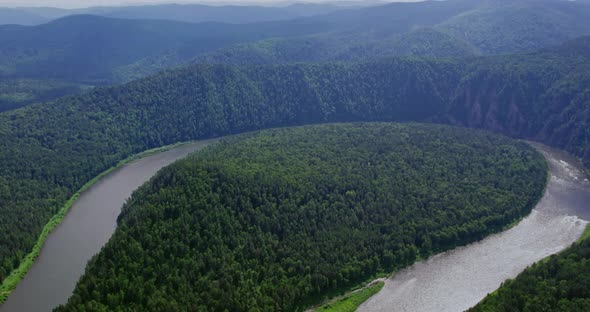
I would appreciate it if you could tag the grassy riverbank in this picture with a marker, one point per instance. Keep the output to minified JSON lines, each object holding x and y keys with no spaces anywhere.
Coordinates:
{"x":351,"y":301}
{"x":16,"y":275}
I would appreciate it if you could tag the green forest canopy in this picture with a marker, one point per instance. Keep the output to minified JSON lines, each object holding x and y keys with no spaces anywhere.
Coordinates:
{"x":274,"y":220}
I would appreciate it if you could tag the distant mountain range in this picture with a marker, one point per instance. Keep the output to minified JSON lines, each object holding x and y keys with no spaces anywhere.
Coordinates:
{"x":98,"y":50}
{"x":87,"y":48}
{"x":194,"y":13}
{"x":430,"y":29}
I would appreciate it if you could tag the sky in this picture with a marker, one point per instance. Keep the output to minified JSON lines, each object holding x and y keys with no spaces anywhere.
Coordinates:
{"x":88,"y":3}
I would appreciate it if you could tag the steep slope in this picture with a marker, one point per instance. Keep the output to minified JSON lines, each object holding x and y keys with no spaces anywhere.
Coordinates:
{"x":540,"y":95}
{"x":272,"y":221}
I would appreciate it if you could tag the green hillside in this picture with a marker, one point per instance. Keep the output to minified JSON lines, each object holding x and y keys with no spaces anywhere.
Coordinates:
{"x":507,"y":26}
{"x":88,"y":49}
{"x":424,"y":42}
{"x":15,"y":93}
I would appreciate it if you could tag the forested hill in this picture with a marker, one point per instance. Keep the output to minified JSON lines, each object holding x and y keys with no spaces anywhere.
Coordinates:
{"x":453,"y":28}
{"x":50,"y":150}
{"x":70,"y":54}
{"x":90,"y":49}
{"x":274,"y":220}
{"x":93,"y":50}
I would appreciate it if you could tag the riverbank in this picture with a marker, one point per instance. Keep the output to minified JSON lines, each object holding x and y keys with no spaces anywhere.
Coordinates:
{"x":351,"y":301}
{"x":10,"y":282}
{"x":506,"y":227}
{"x":126,"y":161}
{"x":458,"y":279}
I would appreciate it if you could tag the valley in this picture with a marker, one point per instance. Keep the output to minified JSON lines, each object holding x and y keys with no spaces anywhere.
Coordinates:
{"x":352,"y":140}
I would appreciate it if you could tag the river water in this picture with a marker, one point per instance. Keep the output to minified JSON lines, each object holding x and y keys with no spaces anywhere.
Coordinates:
{"x":452,"y":281}
{"x":86,"y":228}
{"x":459,"y":279}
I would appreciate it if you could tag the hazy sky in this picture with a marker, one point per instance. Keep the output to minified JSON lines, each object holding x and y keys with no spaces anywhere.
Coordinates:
{"x":87,"y":3}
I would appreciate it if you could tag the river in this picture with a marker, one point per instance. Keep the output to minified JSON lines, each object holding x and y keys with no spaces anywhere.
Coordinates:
{"x":451,"y":281}
{"x":87,"y":227}
{"x":458,"y":279}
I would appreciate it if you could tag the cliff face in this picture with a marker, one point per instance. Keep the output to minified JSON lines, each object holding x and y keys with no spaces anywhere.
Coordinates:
{"x":552,"y":108}
{"x":543,"y":96}
{"x":488,"y":106}
{"x":567,"y":117}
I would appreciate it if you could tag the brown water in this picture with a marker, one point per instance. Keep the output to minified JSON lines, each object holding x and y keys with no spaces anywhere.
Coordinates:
{"x":459,"y":279}
{"x":86,"y":228}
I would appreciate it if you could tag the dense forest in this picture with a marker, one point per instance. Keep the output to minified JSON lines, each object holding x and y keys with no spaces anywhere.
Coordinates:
{"x":425,"y":42}
{"x":15,"y":93}
{"x":271,"y":221}
{"x":558,"y":283}
{"x":50,"y":150}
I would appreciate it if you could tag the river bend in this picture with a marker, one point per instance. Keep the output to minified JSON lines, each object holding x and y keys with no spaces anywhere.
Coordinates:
{"x":458,"y":279}
{"x":451,"y":281}
{"x":87,"y":227}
